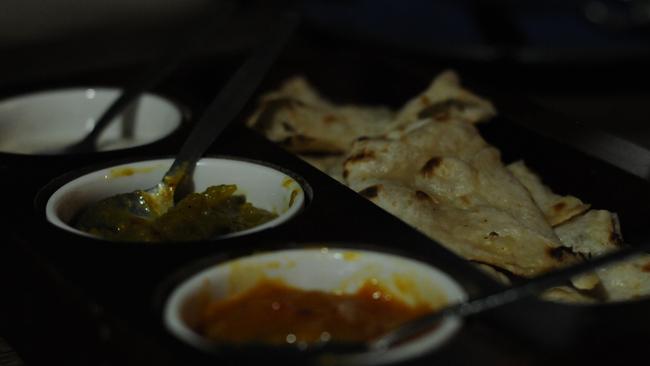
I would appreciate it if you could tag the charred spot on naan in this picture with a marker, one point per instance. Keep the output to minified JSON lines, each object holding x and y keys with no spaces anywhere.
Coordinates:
{"x":365,"y":154}
{"x":429,"y":167}
{"x":371,"y":192}
{"x":422,"y":196}
{"x":561,"y":253}
{"x":330,"y":118}
{"x":646,"y":267}
{"x":559,"y":206}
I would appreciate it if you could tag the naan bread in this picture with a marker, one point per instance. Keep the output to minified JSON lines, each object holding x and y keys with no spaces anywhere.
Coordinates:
{"x":305,"y":122}
{"x":427,"y":165}
{"x":442,"y":178}
{"x":627,"y":280}
{"x":590,"y":233}
{"x":297,"y":117}
{"x":594,"y":233}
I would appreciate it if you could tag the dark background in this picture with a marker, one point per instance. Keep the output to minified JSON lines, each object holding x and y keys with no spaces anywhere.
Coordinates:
{"x":587,"y":60}
{"x":584,"y":58}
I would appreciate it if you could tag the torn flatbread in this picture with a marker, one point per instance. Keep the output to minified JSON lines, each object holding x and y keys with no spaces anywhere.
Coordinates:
{"x":594,"y":233}
{"x":597,"y":232}
{"x":556,"y":208}
{"x":629,"y":280}
{"x":445,"y":98}
{"x":591,"y":233}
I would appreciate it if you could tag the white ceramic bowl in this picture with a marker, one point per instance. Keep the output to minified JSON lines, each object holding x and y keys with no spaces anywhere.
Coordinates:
{"x":324,"y":269}
{"x":265,"y":187}
{"x":45,"y":122}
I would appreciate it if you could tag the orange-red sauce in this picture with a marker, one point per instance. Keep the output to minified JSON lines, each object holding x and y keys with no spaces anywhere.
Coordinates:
{"x":273,"y":312}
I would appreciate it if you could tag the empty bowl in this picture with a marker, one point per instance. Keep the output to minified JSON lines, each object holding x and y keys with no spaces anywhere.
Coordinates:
{"x":336,"y":271}
{"x":266,"y":187}
{"x":45,"y":122}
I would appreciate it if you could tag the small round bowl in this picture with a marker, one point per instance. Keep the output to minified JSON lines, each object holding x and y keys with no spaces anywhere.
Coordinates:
{"x":323,"y":269}
{"x":264,"y":186}
{"x":45,"y":122}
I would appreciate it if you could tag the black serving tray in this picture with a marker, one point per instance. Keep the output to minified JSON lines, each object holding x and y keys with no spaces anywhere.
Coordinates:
{"x":80,"y":301}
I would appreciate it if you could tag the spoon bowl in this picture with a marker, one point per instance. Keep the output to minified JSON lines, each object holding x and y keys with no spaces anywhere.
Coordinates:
{"x":116,"y":211}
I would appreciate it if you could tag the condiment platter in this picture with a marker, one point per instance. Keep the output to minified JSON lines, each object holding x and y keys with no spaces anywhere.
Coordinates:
{"x":79,"y":299}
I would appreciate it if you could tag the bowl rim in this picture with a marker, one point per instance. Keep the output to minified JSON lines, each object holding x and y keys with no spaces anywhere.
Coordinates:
{"x":44,"y":194}
{"x":185,"y":113}
{"x":189,"y":272}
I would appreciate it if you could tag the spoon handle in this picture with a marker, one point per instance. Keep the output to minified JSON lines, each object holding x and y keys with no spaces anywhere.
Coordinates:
{"x":128,"y":96}
{"x":233,"y":96}
{"x":509,"y":295}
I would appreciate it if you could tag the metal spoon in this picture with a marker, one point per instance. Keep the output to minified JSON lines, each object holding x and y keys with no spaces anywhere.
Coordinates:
{"x":129,"y":95}
{"x":182,"y":46}
{"x":153,"y":202}
{"x":373,"y":351}
{"x":509,"y":295}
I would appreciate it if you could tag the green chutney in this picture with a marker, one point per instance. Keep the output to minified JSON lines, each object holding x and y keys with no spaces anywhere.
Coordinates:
{"x":198,"y":216}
